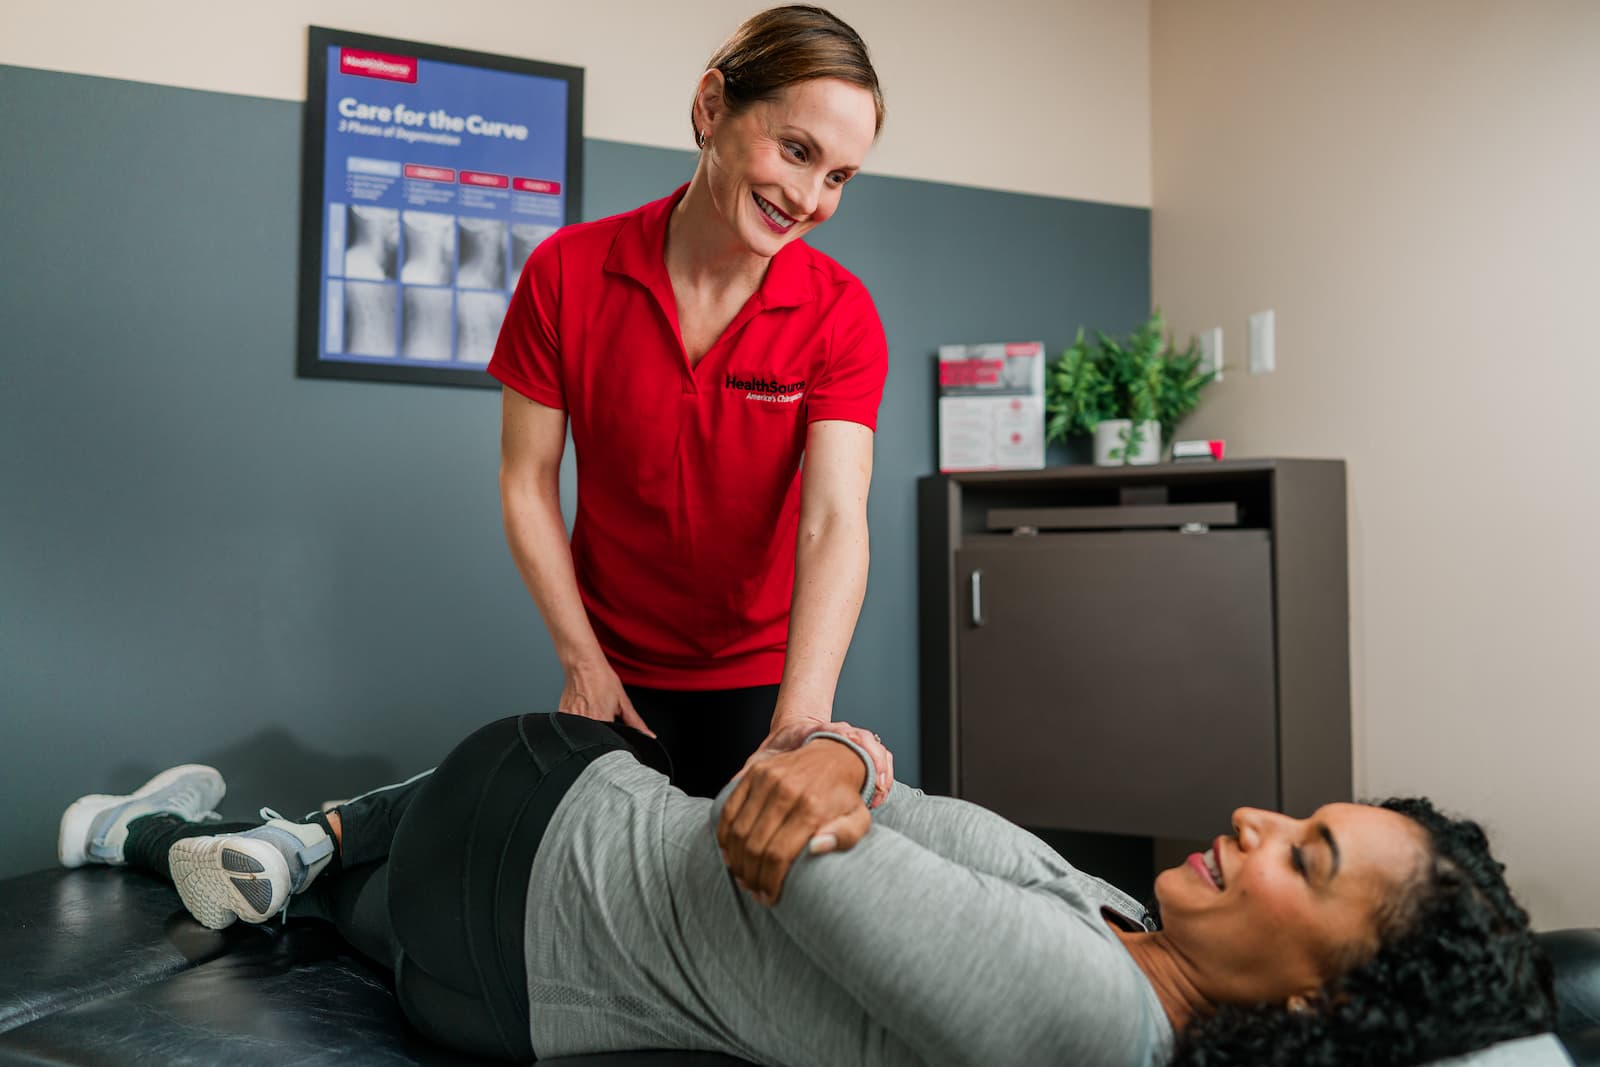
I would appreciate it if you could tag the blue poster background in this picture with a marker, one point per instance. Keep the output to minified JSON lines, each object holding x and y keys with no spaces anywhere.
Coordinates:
{"x":424,"y":231}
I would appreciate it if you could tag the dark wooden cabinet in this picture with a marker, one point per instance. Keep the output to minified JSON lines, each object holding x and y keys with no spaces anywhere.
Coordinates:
{"x":1136,"y":651}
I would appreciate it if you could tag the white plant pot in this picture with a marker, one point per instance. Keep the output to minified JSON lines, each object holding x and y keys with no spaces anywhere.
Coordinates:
{"x":1111,"y":438}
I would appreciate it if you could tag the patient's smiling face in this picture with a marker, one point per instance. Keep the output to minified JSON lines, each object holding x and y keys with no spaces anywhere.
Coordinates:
{"x":1298,"y":901}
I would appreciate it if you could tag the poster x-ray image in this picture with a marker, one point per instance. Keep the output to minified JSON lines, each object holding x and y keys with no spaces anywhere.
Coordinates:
{"x":478,"y":317}
{"x":525,"y":237}
{"x":430,"y":248}
{"x":372,"y":242}
{"x":483,"y":254}
{"x":369,"y":319}
{"x":425,"y":324}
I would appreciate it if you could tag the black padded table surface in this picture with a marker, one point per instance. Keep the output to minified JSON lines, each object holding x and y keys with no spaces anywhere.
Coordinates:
{"x":105,"y":967}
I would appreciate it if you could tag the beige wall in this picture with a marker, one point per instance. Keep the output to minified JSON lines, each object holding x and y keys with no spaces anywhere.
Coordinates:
{"x":1415,"y":189}
{"x":1036,"y":96}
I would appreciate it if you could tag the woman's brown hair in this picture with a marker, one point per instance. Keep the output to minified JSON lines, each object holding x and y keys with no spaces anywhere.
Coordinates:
{"x":778,"y":47}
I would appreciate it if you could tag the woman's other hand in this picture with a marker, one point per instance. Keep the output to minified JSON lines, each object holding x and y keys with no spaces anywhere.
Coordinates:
{"x":594,"y":691}
{"x":807,"y":797}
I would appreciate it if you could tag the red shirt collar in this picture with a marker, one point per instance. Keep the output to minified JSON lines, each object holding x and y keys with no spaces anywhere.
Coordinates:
{"x":639,"y":253}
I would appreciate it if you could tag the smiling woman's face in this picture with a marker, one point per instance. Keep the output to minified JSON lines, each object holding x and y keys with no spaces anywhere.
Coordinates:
{"x":1286,"y":904}
{"x":777,"y":169}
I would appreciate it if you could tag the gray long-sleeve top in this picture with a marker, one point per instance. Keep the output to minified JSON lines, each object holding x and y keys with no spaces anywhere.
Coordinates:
{"x":946,"y":936}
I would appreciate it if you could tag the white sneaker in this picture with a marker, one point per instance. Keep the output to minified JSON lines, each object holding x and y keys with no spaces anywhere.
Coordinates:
{"x":248,"y":875}
{"x":95,"y":828}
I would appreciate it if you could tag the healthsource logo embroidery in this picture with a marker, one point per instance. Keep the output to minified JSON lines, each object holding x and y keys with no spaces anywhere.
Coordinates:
{"x":765,"y":389}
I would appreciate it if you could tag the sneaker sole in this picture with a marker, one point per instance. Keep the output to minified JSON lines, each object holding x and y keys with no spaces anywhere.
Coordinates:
{"x":72,"y":838}
{"x":225,"y":878}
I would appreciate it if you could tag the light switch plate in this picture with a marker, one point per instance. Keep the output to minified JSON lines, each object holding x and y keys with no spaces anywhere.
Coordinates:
{"x":1211,"y":351}
{"x":1263,"y":352}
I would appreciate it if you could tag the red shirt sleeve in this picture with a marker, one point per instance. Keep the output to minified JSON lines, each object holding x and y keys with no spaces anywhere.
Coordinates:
{"x":527,"y":354}
{"x":850,"y":386}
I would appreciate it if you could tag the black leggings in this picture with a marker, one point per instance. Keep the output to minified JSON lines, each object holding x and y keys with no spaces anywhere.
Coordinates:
{"x":708,"y":733}
{"x":432,"y":875}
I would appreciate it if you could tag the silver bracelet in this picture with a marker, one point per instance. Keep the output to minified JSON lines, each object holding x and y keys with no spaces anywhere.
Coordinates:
{"x":872,"y":770}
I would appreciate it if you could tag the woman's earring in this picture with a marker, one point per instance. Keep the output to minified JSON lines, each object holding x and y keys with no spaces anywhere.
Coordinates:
{"x":702,"y":140}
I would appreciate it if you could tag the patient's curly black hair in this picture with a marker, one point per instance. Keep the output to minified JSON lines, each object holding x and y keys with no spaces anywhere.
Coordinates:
{"x":1457,"y":969}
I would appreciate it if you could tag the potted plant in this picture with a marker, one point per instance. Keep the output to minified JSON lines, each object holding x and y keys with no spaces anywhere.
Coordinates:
{"x":1129,"y":394}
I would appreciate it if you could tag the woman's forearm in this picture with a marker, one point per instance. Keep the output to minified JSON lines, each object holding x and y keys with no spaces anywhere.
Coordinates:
{"x":537,"y":537}
{"x":830,"y":581}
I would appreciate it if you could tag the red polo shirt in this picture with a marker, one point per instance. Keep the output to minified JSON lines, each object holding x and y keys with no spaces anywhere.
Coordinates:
{"x":688,"y":477}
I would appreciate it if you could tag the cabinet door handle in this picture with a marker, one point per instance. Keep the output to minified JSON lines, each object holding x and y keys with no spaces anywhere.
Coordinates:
{"x":977,"y":599}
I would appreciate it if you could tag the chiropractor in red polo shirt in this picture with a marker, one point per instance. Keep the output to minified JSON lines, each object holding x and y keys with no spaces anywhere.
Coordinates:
{"x":699,"y":350}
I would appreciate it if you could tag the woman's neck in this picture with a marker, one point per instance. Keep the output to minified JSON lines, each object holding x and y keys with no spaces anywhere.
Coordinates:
{"x":1169,"y":973}
{"x":703,"y":252}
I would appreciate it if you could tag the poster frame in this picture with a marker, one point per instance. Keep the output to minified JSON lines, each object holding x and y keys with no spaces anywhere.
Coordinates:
{"x":314,"y":210}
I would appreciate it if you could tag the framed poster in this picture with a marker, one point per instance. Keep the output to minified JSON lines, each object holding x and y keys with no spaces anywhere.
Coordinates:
{"x":429,"y":175}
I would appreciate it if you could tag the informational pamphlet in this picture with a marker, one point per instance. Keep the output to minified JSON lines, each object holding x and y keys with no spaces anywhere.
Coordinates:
{"x":991,"y":406}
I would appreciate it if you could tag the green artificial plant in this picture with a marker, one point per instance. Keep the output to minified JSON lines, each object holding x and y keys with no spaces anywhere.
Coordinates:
{"x":1143,"y":378}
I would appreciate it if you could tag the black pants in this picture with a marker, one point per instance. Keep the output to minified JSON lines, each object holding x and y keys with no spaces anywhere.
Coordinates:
{"x":707,"y":733}
{"x":432,"y":874}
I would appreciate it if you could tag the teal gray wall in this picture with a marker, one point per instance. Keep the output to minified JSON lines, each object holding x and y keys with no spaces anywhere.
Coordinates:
{"x":205,"y":558}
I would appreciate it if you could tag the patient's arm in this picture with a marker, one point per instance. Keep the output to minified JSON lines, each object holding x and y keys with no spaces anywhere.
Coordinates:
{"x":759,"y":856}
{"x":783,"y":801}
{"x":970,"y":835}
{"x":964,"y":966}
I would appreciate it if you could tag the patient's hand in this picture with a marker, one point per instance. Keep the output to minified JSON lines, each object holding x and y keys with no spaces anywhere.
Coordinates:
{"x":793,"y":733}
{"x":809,"y":797}
{"x":882,"y":758}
